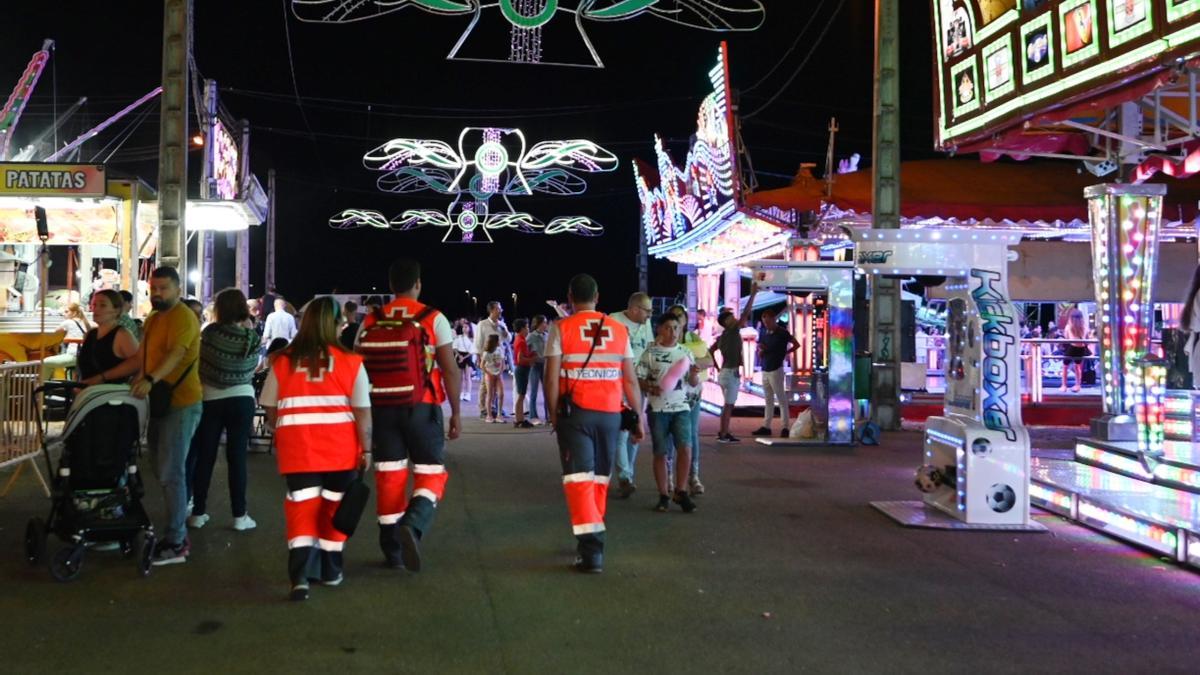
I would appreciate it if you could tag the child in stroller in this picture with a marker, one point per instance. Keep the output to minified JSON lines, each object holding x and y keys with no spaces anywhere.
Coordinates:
{"x":96,"y":489}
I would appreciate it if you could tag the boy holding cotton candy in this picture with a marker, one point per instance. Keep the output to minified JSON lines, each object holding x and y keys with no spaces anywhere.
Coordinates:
{"x":662,"y":371}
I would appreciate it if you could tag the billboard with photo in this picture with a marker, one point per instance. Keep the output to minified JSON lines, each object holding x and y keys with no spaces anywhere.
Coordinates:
{"x":1000,"y":63}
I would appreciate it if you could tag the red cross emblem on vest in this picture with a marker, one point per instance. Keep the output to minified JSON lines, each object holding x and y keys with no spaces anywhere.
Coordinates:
{"x":592,"y":332}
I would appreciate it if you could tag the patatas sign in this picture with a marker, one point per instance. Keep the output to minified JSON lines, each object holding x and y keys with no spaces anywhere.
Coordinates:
{"x":52,"y":180}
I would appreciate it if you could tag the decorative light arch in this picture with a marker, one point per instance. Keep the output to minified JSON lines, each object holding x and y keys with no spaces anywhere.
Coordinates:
{"x":526,"y":19}
{"x":487,"y":168}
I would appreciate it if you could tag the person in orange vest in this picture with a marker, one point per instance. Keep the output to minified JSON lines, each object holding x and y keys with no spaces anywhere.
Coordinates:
{"x":317,"y":398}
{"x":407,"y":347}
{"x":589,"y":365}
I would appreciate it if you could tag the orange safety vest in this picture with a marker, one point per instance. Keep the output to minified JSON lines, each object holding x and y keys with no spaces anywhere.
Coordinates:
{"x":597,"y":387}
{"x":314,"y":427}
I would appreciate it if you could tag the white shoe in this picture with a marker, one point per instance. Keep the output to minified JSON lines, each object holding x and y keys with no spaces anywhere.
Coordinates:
{"x":468,"y":398}
{"x":198,"y":521}
{"x":244,"y":522}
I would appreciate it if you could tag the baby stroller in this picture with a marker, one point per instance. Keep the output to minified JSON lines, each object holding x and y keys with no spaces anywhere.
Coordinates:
{"x":96,"y":491}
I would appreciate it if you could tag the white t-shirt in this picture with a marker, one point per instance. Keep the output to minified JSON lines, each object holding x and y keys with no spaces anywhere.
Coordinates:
{"x":359,"y":398}
{"x":462,"y":343}
{"x":641,"y":335}
{"x":655,"y":363}
{"x":493,"y":362}
{"x":486,"y":329}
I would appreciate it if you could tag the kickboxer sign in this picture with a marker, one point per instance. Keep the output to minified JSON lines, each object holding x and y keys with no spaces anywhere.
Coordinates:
{"x":52,"y":180}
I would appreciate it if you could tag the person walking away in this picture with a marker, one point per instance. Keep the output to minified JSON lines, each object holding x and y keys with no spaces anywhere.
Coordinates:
{"x":463,"y":347}
{"x":279,"y":324}
{"x":704,"y":362}
{"x":493,"y":368}
{"x":492,"y":325}
{"x":228,"y":357}
{"x":411,"y":382}
{"x":350,"y":325}
{"x":729,"y":344}
{"x":167,"y":356}
{"x":636,"y":320}
{"x":108,"y":344}
{"x":589,"y":365}
{"x":775,"y":345}
{"x":523,"y":358}
{"x":1076,"y":352}
{"x":665,"y":372}
{"x":536,"y":342}
{"x":317,"y":399}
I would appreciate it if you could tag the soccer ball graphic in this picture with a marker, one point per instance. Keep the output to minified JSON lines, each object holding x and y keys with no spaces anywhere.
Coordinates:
{"x":981,"y":447}
{"x":1001,"y":498}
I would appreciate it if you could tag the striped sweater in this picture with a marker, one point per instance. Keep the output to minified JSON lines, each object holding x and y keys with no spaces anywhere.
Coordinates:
{"x":228,"y":355}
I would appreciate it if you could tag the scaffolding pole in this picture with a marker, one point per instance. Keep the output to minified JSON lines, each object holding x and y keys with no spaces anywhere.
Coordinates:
{"x":885,"y":178}
{"x":173,"y":136}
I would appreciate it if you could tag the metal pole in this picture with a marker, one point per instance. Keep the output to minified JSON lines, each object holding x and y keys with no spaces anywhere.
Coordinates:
{"x":208,"y":190}
{"x":270,"y":271}
{"x":885,"y":178}
{"x":643,"y":264}
{"x":242,"y":253}
{"x":173,"y":135}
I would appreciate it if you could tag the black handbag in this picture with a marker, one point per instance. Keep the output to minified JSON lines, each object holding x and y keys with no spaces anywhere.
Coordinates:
{"x":160,"y":394}
{"x":350,"y":509}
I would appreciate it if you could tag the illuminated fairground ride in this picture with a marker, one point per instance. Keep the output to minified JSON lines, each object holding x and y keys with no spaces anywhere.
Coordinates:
{"x":526,"y":27}
{"x":488,"y":167}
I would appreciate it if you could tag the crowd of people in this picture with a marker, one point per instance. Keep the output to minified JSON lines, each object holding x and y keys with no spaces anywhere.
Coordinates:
{"x":346,"y":391}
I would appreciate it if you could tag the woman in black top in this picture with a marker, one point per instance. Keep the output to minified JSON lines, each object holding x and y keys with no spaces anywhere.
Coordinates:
{"x":107,"y":344}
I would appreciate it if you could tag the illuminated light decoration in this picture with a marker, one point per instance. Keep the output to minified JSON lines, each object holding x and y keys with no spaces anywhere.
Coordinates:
{"x":1150,"y":376}
{"x":1051,"y":499}
{"x":694,"y":214}
{"x":1072,"y":48}
{"x":489,"y":166}
{"x":220,"y":216}
{"x":1125,"y":231}
{"x":526,"y":20}
{"x":1141,"y":531}
{"x":226,"y":165}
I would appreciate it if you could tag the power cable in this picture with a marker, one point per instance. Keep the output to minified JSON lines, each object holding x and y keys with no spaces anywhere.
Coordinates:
{"x":795,"y":43}
{"x":287,"y":34}
{"x":812,"y":50}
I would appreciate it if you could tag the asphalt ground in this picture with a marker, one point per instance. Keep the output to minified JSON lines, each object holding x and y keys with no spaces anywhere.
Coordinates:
{"x":783,"y":568}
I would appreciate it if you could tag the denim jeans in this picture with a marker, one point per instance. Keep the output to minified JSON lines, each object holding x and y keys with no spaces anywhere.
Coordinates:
{"x":536,"y":373}
{"x":695,"y":421}
{"x":170,"y":437}
{"x":670,"y":430}
{"x":234,"y":416}
{"x":627,"y":450}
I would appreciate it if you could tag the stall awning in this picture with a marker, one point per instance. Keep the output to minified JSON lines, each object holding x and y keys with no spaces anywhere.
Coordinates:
{"x":966,"y":189}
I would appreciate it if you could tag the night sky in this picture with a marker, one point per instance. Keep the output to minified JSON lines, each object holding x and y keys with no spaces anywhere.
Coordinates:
{"x":362,"y":84}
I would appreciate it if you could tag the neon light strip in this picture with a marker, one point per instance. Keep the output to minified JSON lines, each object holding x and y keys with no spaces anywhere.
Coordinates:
{"x":1111,"y":460}
{"x":1050,"y":498}
{"x":952,"y":442}
{"x":1135,"y":529}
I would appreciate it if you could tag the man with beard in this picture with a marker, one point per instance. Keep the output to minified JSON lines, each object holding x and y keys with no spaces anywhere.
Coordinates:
{"x":168,"y":354}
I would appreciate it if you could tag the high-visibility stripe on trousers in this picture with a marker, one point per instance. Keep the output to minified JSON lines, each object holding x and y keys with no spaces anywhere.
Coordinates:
{"x":391,"y":483}
{"x":429,"y":481}
{"x":584,"y":502}
{"x":308,"y":513}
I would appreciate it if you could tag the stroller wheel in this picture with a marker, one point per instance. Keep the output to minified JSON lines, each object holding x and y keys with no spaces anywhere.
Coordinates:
{"x":67,"y":563}
{"x":35,"y":540}
{"x":144,"y":544}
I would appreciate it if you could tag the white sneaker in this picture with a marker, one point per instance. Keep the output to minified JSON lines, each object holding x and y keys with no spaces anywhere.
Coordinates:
{"x":244,"y":522}
{"x":198,"y":521}
{"x":468,"y":398}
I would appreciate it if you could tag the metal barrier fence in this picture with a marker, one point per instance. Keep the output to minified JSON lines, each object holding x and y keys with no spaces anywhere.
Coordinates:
{"x":19,"y":442}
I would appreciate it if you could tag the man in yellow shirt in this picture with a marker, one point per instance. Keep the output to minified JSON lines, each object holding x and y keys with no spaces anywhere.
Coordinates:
{"x":168,"y":353}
